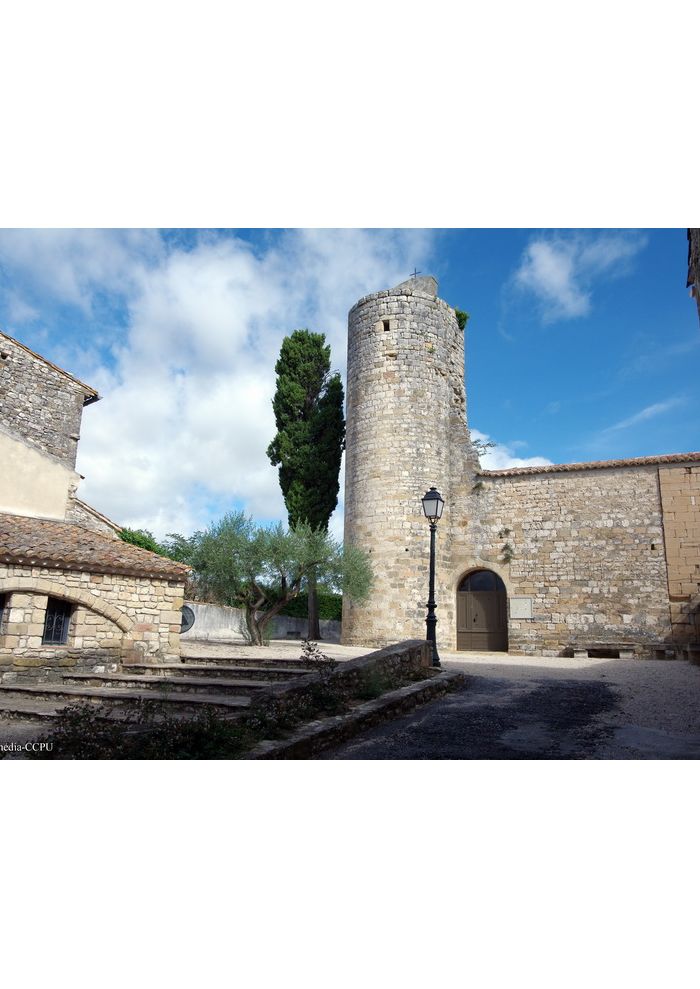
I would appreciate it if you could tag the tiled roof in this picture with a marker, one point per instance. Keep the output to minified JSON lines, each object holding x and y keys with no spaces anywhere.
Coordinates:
{"x":667,"y":458}
{"x":44,"y":543}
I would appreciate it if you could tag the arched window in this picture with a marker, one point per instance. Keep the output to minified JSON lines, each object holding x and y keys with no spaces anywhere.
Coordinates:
{"x":482,"y":580}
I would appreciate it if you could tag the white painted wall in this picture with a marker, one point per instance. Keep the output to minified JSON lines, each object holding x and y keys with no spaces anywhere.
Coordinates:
{"x":32,"y":483}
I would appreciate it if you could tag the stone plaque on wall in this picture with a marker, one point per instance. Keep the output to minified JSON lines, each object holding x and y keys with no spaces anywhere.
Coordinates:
{"x":521,"y":607}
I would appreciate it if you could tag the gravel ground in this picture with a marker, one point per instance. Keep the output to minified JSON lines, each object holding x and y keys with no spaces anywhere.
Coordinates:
{"x":519,"y":707}
{"x":514,"y":707}
{"x":278,"y":649}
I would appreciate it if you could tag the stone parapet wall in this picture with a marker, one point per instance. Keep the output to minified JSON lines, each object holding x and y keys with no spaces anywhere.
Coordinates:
{"x":115,"y":618}
{"x":43,"y":405}
{"x":399,"y":660}
{"x":680,"y":497}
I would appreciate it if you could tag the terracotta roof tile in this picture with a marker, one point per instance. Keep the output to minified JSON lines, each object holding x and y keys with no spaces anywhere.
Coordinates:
{"x":668,"y":458}
{"x":45,"y":543}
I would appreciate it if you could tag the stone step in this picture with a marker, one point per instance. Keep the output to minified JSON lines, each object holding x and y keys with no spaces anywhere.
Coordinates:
{"x":297,"y":664}
{"x":177,"y":703}
{"x":163,"y":684}
{"x":194,"y":669}
{"x":34,"y":710}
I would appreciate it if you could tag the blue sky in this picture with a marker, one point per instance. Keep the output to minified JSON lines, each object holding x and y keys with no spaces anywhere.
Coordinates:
{"x":581,"y":345}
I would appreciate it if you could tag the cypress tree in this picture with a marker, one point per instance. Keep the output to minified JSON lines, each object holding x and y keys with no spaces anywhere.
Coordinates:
{"x":310,"y":438}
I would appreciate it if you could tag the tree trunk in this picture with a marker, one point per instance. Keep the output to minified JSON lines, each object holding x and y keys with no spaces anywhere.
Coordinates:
{"x":314,"y":630}
{"x":254,"y":630}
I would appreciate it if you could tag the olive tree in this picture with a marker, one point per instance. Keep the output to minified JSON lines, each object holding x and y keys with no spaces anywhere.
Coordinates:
{"x":260,"y":569}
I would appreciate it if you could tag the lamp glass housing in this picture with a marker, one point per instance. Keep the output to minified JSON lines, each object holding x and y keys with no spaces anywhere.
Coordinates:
{"x":433,"y":505}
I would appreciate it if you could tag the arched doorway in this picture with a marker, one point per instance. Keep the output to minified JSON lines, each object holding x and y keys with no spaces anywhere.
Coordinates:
{"x":482,"y":619}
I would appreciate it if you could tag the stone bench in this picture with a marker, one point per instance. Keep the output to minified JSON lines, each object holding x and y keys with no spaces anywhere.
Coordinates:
{"x":605,"y":650}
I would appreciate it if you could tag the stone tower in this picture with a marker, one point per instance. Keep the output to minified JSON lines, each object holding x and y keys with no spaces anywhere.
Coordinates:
{"x":406,"y":431}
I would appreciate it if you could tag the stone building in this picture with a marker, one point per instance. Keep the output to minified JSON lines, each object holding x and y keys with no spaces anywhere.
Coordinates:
{"x":72,"y":594}
{"x":601,"y":557}
{"x":693,"y":282}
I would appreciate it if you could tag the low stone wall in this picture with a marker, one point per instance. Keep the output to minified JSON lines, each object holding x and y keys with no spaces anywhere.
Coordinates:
{"x":219,"y":623}
{"x":325,"y":733}
{"x":399,"y":660}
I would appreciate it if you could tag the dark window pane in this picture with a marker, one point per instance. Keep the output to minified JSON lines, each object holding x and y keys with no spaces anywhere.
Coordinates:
{"x":482,"y":580}
{"x":56,"y":624}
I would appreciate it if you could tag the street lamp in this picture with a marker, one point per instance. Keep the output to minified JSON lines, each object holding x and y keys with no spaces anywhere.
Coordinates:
{"x":433,"y":505}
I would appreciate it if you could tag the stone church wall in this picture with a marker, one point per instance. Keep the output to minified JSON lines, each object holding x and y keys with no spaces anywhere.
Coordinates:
{"x":603,"y":556}
{"x":587,"y":549}
{"x":116,"y":618}
{"x":680,"y":496}
{"x":43,"y":405}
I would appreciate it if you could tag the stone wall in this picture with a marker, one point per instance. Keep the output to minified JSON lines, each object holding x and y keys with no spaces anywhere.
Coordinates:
{"x":44,"y":405}
{"x":82,"y":514}
{"x":399,"y":660}
{"x":219,"y":623}
{"x":406,"y":423}
{"x":680,"y":496}
{"x":116,"y":618}
{"x":587,"y":550}
{"x":584,"y":548}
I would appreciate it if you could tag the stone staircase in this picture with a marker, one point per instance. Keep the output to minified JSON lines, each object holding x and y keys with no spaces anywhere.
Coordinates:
{"x":182,"y":690}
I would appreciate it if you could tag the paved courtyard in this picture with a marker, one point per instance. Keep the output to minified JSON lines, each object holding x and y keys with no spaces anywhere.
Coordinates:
{"x":548,"y":708}
{"x":512,"y":707}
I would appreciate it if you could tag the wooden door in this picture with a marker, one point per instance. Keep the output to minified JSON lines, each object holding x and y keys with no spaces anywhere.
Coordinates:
{"x":482,"y":622}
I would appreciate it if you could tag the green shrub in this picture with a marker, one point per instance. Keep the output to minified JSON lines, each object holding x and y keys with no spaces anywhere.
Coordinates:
{"x":330,"y":606}
{"x":142,"y":538}
{"x":462,"y":318}
{"x":373,"y":684}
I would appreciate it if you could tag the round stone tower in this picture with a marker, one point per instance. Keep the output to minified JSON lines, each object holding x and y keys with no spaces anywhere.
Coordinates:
{"x":406,"y":431}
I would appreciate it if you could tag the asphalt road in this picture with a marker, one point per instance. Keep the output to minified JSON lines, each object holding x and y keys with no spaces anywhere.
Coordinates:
{"x":529,"y":708}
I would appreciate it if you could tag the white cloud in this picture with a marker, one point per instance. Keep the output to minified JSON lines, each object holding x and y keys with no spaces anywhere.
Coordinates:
{"x":650,"y":412}
{"x":560,"y":270}
{"x":501,"y":456}
{"x":72,"y":266}
{"x":186,"y":415}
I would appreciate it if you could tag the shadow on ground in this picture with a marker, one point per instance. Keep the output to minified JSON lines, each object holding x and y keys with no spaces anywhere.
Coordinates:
{"x":538,"y":719}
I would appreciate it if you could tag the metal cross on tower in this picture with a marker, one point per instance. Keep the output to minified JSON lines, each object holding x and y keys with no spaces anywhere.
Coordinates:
{"x":415,"y":273}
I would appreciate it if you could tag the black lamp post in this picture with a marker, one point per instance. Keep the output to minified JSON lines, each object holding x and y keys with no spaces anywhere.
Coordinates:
{"x":433,"y":505}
